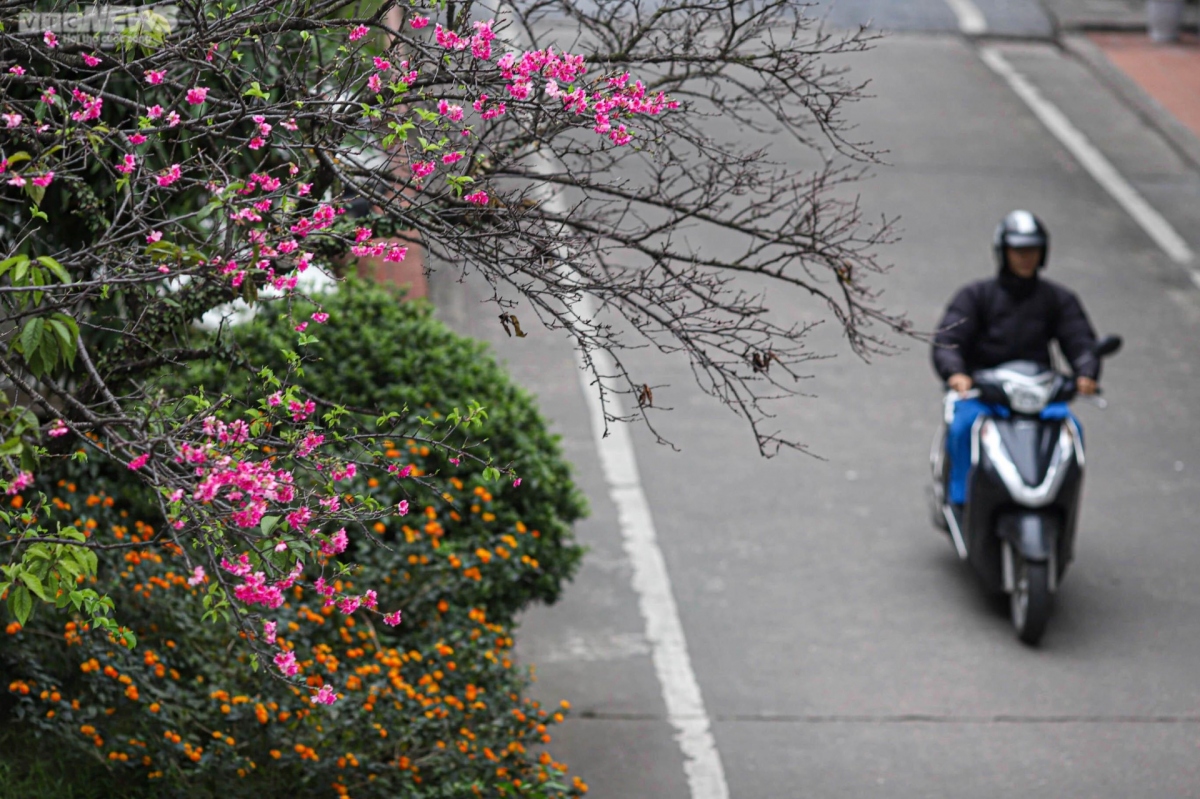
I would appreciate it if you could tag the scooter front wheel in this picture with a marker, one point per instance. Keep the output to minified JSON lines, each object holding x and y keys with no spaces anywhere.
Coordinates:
{"x":1030,"y":601}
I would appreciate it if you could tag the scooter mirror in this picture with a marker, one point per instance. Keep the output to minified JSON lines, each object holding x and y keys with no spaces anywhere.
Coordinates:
{"x":1108,"y":345}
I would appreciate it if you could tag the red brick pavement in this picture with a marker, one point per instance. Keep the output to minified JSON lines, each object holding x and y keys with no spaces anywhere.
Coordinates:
{"x":1170,"y":73}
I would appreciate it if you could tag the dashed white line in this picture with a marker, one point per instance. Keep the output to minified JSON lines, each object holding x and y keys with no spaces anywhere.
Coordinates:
{"x":1099,"y":167}
{"x":970,"y":19}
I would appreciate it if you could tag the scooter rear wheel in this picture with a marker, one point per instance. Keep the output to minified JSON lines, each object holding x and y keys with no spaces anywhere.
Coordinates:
{"x":1030,"y":601}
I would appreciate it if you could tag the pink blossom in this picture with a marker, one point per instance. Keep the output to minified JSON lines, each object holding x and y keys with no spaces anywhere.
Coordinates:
{"x":269,"y":631}
{"x":43,"y":180}
{"x":286,"y":662}
{"x":517,"y":483}
{"x":300,"y":327}
{"x":197,"y":577}
{"x":90,"y":60}
{"x":402,"y":507}
{"x":17,"y":70}
{"x":299,"y":519}
{"x":406,"y":471}
{"x":392,"y":619}
{"x":455,"y":112}
{"x":139,"y":461}
{"x":349,"y":604}
{"x":197,"y":95}
{"x":16,"y":180}
{"x":291,"y":125}
{"x":153,"y":236}
{"x":59,"y":429}
{"x":137,"y":138}
{"x":128,"y":164}
{"x":419,"y":22}
{"x":173,"y":119}
{"x":303,"y":189}
{"x":50,"y":96}
{"x":325,"y":696}
{"x":323,"y":588}
{"x":155,"y":76}
{"x":164,"y":269}
{"x":320,"y":317}
{"x":456,"y":461}
{"x":11,"y":120}
{"x":481,"y":42}
{"x":395,"y":254}
{"x":310,"y":442}
{"x":477,"y":198}
{"x":423,"y":168}
{"x":301,"y":412}
{"x":374,"y":83}
{"x":382,"y":63}
{"x":170,"y":176}
{"x":345,"y":474}
{"x":22,"y":481}
{"x":275,"y":399}
{"x":154,"y":111}
{"x":359,"y":32}
{"x":449,"y":39}
{"x":450,"y":158}
{"x":370,"y":600}
{"x":337,"y":544}
{"x":50,"y":39}
{"x":256,"y":143}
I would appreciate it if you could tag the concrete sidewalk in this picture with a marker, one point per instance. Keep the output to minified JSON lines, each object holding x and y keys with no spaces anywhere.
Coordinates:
{"x":1160,"y":82}
{"x":1106,"y":15}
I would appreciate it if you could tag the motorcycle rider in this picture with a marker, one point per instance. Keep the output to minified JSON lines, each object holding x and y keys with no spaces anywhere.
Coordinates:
{"x":1011,"y":317}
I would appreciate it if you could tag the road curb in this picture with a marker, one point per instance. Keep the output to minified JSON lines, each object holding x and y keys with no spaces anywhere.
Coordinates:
{"x":1179,"y":137}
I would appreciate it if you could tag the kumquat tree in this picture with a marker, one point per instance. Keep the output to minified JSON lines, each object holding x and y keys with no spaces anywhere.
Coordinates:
{"x":184,"y":157}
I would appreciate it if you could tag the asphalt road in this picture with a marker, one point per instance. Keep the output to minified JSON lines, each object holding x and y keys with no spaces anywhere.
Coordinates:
{"x":840,"y":647}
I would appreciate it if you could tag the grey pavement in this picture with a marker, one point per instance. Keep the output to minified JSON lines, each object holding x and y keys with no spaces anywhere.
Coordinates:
{"x":841,"y":649}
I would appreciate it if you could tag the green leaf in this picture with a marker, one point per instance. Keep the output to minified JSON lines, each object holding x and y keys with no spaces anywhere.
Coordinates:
{"x":55,"y":268}
{"x":491,"y":473}
{"x":9,"y":263}
{"x":256,"y":91}
{"x":18,"y":157}
{"x":35,"y":192}
{"x":20,"y":604}
{"x":66,"y":339}
{"x":35,"y":585}
{"x":268,"y":524}
{"x":31,"y":337}
{"x":19,"y":273}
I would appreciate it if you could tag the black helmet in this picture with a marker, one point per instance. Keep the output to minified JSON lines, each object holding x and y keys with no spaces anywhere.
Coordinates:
{"x":1020,"y":229}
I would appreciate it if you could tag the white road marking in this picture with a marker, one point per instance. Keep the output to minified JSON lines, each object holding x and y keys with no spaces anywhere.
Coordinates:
{"x":651,"y":582}
{"x":970,"y":19}
{"x":1099,"y":167}
{"x":664,"y":631}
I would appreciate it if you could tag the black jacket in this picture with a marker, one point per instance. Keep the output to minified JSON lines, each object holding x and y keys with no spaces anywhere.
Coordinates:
{"x":1010,"y":319}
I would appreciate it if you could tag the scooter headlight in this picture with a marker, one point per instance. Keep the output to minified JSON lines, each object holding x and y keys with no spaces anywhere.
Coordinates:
{"x":1025,"y":398}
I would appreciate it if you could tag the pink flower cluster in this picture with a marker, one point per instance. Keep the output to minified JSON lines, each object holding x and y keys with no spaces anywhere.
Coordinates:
{"x":92,"y":106}
{"x":249,"y":487}
{"x":22,"y":481}
{"x":336,"y":544}
{"x":172,"y":174}
{"x":255,"y":590}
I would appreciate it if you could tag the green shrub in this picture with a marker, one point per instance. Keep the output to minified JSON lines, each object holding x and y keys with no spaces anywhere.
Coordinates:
{"x":432,"y":708}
